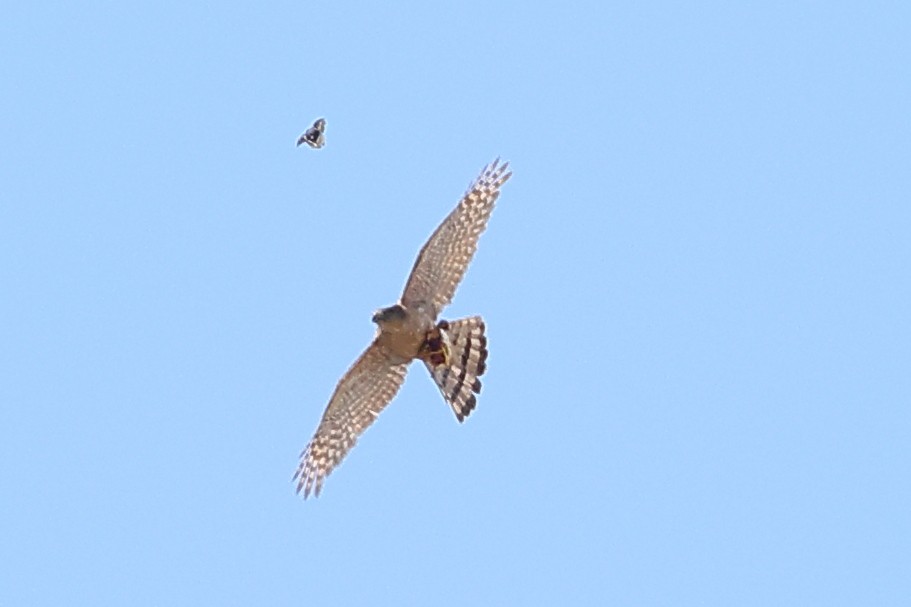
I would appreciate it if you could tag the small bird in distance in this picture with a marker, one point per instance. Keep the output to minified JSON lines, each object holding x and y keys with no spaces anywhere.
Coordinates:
{"x":315,"y":135}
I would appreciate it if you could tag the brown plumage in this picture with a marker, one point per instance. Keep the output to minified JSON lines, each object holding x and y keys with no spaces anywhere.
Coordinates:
{"x":455,"y":352}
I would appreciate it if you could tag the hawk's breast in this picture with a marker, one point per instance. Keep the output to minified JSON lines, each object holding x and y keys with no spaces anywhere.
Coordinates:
{"x":404,"y":337}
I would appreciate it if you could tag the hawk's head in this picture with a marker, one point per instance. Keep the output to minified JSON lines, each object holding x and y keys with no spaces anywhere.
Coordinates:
{"x":392,"y":313}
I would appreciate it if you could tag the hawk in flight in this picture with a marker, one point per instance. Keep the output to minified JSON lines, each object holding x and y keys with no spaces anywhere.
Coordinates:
{"x":454,"y":351}
{"x":315,"y":135}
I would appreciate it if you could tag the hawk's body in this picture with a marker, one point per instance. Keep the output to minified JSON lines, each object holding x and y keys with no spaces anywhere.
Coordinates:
{"x":402,"y":330}
{"x":453,"y":351}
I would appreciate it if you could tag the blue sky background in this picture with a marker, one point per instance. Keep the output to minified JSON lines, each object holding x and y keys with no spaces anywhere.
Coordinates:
{"x":696,"y":287}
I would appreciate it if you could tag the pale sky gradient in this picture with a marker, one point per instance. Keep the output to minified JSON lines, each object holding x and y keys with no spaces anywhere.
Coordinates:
{"x":696,"y":287}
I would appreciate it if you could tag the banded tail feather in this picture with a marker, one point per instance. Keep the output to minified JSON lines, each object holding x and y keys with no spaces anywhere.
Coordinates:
{"x":456,"y":357}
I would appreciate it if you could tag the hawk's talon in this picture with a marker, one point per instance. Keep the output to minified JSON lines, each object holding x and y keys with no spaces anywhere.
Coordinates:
{"x":435,"y":347}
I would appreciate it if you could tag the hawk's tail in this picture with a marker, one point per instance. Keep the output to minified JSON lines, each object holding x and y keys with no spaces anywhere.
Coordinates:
{"x":456,"y":356}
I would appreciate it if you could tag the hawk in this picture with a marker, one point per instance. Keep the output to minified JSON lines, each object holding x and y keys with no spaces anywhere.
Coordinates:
{"x":314,"y":136}
{"x":454,"y":352}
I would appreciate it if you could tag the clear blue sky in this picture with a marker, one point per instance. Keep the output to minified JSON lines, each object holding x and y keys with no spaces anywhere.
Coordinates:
{"x":696,"y":287}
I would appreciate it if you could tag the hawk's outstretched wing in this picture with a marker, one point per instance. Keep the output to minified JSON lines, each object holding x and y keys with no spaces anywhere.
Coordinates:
{"x":364,"y":391}
{"x":442,"y":262}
